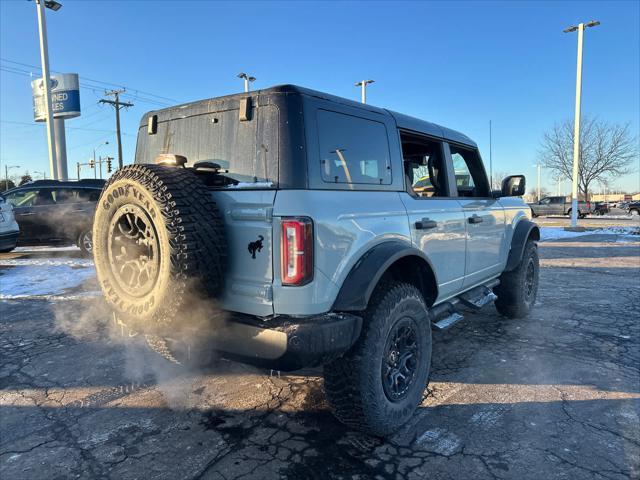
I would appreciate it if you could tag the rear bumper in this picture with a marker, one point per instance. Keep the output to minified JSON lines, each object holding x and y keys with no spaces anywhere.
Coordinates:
{"x":285,"y":343}
{"x":8,"y":240}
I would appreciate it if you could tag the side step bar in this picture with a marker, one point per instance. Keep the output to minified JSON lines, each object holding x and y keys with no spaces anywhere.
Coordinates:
{"x":445,"y":315}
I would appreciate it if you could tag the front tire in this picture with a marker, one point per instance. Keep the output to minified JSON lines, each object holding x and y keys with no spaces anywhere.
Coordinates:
{"x":518,"y":288}
{"x":377,"y":385}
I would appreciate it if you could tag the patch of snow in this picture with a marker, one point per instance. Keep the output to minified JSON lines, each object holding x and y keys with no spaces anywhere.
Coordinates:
{"x":252,"y":185}
{"x":22,"y":281}
{"x":557,"y":233}
{"x":49,"y":262}
{"x":48,"y":249}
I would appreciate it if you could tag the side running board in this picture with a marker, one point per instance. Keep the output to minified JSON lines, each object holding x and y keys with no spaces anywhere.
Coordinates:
{"x":445,"y":315}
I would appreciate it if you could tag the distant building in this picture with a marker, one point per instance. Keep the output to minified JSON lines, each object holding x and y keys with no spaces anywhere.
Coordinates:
{"x":615,"y":197}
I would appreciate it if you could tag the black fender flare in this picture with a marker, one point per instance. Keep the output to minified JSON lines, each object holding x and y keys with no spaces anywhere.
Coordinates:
{"x":524,"y":229}
{"x":358,"y":286}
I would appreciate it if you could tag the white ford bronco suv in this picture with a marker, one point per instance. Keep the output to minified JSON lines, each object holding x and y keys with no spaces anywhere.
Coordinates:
{"x":289,"y":228}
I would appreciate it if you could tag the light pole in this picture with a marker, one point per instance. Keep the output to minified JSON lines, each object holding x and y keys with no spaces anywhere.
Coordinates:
{"x":94,"y":159}
{"x":44,"y":58}
{"x":6,"y":174}
{"x":363,"y":94}
{"x":490,"y":160}
{"x":539,"y":168}
{"x":43,"y":174}
{"x":247,"y":79}
{"x":576,"y":128}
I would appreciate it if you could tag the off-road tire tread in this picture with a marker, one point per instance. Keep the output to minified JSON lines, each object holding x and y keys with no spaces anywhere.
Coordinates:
{"x":349,"y":403}
{"x":510,"y":301}
{"x":198,"y":247}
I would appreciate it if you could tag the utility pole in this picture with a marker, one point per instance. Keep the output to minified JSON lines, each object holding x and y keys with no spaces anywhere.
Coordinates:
{"x":6,"y":174}
{"x":117,"y":104}
{"x":539,"y":168}
{"x":78,"y":169}
{"x":576,"y":127}
{"x":363,"y":92}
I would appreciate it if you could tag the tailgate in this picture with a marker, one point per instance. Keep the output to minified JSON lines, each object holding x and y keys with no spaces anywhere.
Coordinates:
{"x":248,"y":281}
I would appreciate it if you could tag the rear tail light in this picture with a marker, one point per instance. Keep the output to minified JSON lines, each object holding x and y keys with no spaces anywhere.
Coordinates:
{"x":296,"y":252}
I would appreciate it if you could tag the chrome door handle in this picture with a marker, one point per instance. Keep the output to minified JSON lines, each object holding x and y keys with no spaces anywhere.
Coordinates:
{"x":425,"y":224}
{"x":24,"y":214}
{"x":475,"y":219}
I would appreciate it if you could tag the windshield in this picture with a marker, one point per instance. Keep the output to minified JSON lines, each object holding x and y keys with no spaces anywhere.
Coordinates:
{"x":247,"y":149}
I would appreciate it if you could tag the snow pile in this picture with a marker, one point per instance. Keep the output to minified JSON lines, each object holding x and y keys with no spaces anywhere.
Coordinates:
{"x":43,"y":277}
{"x":559,"y":233}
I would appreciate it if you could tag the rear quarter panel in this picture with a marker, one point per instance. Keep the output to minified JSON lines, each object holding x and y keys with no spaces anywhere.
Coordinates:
{"x":346,"y":225}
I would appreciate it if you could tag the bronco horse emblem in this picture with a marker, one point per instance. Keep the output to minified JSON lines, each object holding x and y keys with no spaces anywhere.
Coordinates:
{"x":256,"y":246}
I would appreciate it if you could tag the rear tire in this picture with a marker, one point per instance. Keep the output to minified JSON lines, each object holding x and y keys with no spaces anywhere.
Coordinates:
{"x":377,"y":385}
{"x":85,"y":242}
{"x":518,"y":288}
{"x":159,"y":248}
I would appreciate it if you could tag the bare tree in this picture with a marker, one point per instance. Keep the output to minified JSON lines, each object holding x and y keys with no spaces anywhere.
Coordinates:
{"x":496,"y":181}
{"x":606,"y":150}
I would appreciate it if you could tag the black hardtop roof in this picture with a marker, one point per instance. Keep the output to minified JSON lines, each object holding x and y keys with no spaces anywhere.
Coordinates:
{"x":404,"y":122}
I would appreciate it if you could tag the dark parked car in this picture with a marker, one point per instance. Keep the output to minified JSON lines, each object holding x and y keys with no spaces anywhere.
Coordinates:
{"x":601,"y":208}
{"x":634,"y":208}
{"x":52,"y":212}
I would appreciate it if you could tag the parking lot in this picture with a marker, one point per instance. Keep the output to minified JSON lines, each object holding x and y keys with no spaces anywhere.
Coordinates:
{"x":556,"y":395}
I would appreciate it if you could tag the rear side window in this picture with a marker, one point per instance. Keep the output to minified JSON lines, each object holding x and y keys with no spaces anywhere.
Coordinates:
{"x":353,"y":150}
{"x":88,"y":195}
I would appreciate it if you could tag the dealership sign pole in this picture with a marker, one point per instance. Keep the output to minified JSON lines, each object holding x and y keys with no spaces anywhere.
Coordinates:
{"x":65,"y":103}
{"x":44,"y":57}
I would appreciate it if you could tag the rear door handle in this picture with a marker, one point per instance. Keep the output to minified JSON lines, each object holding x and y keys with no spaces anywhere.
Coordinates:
{"x":425,"y":224}
{"x":475,"y":219}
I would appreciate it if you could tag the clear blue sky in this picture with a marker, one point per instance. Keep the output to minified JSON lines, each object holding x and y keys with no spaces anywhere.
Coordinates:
{"x":455,"y":63}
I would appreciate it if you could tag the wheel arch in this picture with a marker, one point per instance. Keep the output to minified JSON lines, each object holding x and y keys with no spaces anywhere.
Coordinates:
{"x":525,"y":230}
{"x":394,"y":259}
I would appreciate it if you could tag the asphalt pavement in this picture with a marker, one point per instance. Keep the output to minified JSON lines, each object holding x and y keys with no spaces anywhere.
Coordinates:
{"x":553,"y":396}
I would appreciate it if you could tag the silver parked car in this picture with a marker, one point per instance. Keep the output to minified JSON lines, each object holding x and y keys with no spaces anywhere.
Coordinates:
{"x":290,"y":228}
{"x":9,"y":229}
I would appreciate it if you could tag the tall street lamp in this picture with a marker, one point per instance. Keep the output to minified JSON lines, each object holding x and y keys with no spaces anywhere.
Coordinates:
{"x":576,"y":128}
{"x":247,"y":79}
{"x":44,"y":58}
{"x":363,"y":93}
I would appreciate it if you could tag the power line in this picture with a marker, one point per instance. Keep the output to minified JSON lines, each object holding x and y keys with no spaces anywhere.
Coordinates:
{"x":111,"y":84}
{"x":84,"y":85}
{"x":70,"y":128}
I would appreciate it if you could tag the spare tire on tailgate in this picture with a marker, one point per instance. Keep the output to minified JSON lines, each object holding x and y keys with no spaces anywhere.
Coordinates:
{"x":159,"y":245}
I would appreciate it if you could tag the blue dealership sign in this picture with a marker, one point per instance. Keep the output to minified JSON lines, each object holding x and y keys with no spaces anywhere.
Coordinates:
{"x":65,"y":97}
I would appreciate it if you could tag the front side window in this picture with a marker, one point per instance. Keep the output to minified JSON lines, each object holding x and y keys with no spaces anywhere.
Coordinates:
{"x":353,"y":150}
{"x":22,"y":198}
{"x":471,"y":180}
{"x":423,"y":166}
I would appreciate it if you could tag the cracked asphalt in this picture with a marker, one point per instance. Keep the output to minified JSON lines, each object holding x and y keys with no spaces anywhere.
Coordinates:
{"x":556,"y":395}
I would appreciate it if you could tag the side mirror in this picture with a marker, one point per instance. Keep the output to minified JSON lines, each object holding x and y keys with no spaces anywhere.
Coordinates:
{"x":513,"y":186}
